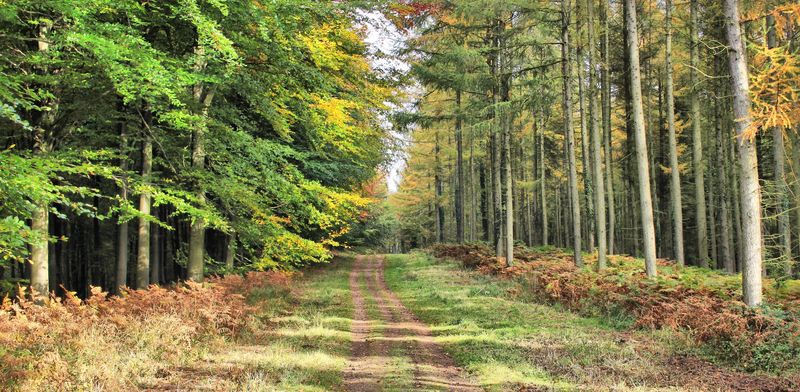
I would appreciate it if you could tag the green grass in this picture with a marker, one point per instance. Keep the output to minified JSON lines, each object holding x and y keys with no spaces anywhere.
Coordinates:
{"x":300,"y":340}
{"x":506,"y":341}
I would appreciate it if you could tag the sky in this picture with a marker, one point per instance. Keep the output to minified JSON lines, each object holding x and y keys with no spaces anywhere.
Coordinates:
{"x":385,"y":42}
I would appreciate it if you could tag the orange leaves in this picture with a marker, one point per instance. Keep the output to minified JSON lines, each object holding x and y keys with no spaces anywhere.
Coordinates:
{"x":68,"y":326}
{"x":775,"y":73}
{"x":775,"y":88}
{"x":710,"y":314}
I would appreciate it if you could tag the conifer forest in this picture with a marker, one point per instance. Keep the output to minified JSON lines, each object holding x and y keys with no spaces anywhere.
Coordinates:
{"x":399,"y":195}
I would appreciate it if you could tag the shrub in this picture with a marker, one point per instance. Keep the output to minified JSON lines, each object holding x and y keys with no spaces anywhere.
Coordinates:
{"x":110,"y":343}
{"x":702,"y":303}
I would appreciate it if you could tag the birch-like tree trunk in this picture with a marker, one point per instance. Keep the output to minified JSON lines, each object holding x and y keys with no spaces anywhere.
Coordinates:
{"x":459,"y":189}
{"x":123,"y":228}
{"x":143,"y":244}
{"x":596,"y":149}
{"x":675,"y":179}
{"x":40,"y":218}
{"x":566,"y":104}
{"x":697,"y":139}
{"x":606,"y":103}
{"x":781,"y":186}
{"x":197,"y":233}
{"x":750,"y":191}
{"x":642,"y":163}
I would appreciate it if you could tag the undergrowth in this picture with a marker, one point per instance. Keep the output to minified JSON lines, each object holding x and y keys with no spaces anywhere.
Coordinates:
{"x":701,"y":303}
{"x":110,"y":343}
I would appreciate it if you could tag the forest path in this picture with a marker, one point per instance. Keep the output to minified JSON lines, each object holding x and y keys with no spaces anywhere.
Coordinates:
{"x":391,"y":336}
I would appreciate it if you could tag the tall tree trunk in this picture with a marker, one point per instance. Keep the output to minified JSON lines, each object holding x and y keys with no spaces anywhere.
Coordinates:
{"x":143,"y":245}
{"x":459,"y":189}
{"x":40,"y":218}
{"x":641,"y":142}
{"x":230,"y":253}
{"x":542,"y":186}
{"x":750,"y":192}
{"x":509,"y":186}
{"x":566,"y":104}
{"x":123,"y":227}
{"x":796,"y":186}
{"x":496,"y":145}
{"x":697,"y":140}
{"x":438,"y":187}
{"x":606,"y":102}
{"x":588,"y":188}
{"x":197,"y":235}
{"x":597,"y":159}
{"x":675,"y":183}
{"x":782,"y":188}
{"x":155,"y":255}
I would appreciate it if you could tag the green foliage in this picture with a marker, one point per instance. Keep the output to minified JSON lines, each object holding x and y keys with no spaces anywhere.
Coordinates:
{"x":293,"y":131}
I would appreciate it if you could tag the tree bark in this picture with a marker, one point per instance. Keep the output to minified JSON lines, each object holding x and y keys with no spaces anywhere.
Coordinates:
{"x":566,"y":104}
{"x":122,"y":228}
{"x":648,"y":229}
{"x":697,"y":140}
{"x":606,"y":102}
{"x":675,"y":179}
{"x":542,"y":187}
{"x":509,"y":190}
{"x":459,"y":189}
{"x":197,"y":234}
{"x":143,"y":245}
{"x":40,"y":217}
{"x":596,"y":149}
{"x":230,"y":253}
{"x":782,"y":188}
{"x":750,"y":192}
{"x":438,"y":187}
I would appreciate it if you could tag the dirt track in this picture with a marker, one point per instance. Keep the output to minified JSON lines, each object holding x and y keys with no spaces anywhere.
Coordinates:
{"x":395,"y":330}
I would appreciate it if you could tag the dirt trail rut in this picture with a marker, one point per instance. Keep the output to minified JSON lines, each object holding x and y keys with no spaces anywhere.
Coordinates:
{"x":395,"y":330}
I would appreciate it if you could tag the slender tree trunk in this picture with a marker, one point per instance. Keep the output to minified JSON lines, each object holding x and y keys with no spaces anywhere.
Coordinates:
{"x":509,"y":188}
{"x":123,"y":228}
{"x":597,"y":159}
{"x":606,"y":102}
{"x":155,"y":255}
{"x":641,"y":142}
{"x":697,"y":140}
{"x":40,"y":218}
{"x":675,"y":183}
{"x":750,"y":192}
{"x":588,"y":188}
{"x":566,"y":104}
{"x":40,"y":275}
{"x":143,"y":245}
{"x":542,"y":187}
{"x":230,"y":253}
{"x":197,"y":234}
{"x":496,"y":148}
{"x":438,"y":189}
{"x":782,"y":188}
{"x":459,"y":190}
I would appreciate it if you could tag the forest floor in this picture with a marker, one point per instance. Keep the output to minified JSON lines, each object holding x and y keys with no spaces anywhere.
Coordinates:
{"x":412,"y":322}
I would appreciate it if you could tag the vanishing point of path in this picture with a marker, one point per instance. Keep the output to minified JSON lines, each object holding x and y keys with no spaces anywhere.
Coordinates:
{"x":392,"y":331}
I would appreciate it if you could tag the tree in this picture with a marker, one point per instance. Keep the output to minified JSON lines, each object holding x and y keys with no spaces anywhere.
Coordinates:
{"x":641,"y":143}
{"x":749,"y":189}
{"x":566,"y":73}
{"x":675,"y":179}
{"x":596,"y":147}
{"x":697,"y":138}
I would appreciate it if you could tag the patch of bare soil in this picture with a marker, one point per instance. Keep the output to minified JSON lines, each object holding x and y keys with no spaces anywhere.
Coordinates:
{"x":433,"y":368}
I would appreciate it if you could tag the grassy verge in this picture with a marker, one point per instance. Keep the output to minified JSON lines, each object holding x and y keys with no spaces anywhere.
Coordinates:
{"x":299,"y":339}
{"x":263,"y":332}
{"x":507,"y":341}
